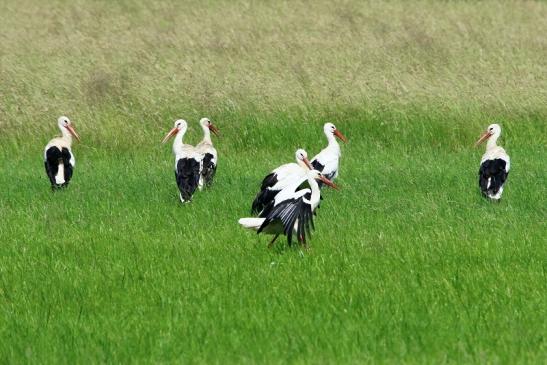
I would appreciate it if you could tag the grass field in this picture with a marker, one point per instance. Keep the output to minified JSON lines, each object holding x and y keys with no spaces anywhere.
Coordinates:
{"x":408,"y":263}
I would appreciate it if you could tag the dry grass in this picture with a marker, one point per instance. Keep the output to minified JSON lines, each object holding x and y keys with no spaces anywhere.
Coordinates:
{"x":145,"y":60}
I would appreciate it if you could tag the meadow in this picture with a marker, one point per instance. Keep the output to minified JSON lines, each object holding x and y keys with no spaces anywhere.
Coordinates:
{"x":408,"y":263}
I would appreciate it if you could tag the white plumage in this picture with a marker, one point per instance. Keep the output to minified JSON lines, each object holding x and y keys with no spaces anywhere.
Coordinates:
{"x":495,"y":164}
{"x":59,"y":160}
{"x":291,"y":211}
{"x":208,"y":153}
{"x":280,"y":178}
{"x":327,"y":161}
{"x":187,"y":162}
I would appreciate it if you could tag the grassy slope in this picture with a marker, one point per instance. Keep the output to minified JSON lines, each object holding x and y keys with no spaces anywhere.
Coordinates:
{"x":408,"y":263}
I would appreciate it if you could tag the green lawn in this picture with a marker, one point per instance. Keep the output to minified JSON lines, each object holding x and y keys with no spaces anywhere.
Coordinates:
{"x":408,"y":263}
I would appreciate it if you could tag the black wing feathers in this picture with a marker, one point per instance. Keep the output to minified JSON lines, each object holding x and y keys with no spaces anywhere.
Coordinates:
{"x":187,"y":175}
{"x":262,"y":199}
{"x":265,"y":195}
{"x":208,"y":169}
{"x":290,"y":212}
{"x":269,"y":181}
{"x":495,"y":171}
{"x":68,"y":167}
{"x":54,"y":157}
{"x":317,"y":166}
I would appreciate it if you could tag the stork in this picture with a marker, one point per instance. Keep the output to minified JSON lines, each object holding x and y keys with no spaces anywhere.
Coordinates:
{"x":187,"y":162}
{"x":280,"y":178}
{"x":59,"y":160}
{"x":291,"y":211}
{"x":495,"y":164}
{"x":327,"y":161}
{"x":208,"y":153}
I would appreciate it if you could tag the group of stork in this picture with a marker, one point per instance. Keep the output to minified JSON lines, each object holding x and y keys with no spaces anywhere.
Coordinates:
{"x":289,"y":196}
{"x":195,"y":166}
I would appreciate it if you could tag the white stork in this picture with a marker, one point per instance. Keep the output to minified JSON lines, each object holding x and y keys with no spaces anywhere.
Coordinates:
{"x":280,"y":178}
{"x":495,"y":164}
{"x":327,"y":161}
{"x":291,"y":212}
{"x":187,"y":162}
{"x":58,"y":157}
{"x":208,"y":153}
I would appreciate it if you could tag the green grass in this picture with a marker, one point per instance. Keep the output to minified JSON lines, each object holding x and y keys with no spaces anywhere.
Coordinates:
{"x":408,"y":264}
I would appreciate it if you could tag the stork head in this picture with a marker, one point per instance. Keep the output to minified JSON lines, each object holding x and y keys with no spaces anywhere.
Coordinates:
{"x":66,"y":127}
{"x":179,"y":127}
{"x":330,"y":130}
{"x":493,"y":131}
{"x":207,"y":124}
{"x":302,"y":158}
{"x":319,"y":176}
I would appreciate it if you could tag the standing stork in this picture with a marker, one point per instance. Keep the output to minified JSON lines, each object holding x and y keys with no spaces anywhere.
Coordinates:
{"x":283,"y":176}
{"x":327,"y":161}
{"x":291,"y":212}
{"x":187,"y":162}
{"x":59,"y":160}
{"x":495,"y":164}
{"x":208,"y":153}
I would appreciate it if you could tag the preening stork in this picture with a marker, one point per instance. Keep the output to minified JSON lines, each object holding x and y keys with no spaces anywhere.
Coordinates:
{"x":328,"y":160}
{"x":58,"y":157}
{"x":495,"y":164}
{"x":187,"y":162}
{"x":283,"y":176}
{"x":291,"y":211}
{"x":208,"y":153}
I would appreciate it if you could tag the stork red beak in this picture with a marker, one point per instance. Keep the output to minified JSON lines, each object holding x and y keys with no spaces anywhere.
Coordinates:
{"x":328,"y":182}
{"x":483,"y":138}
{"x":340,"y":135}
{"x":73,"y":132}
{"x":213,"y":128}
{"x":308,"y":163}
{"x":171,"y":133}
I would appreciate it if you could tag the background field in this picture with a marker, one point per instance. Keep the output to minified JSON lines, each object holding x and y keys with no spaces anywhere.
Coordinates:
{"x":408,"y":263}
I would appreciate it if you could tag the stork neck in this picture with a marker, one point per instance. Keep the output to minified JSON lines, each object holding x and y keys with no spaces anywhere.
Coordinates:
{"x":315,"y":192}
{"x":66,"y":134}
{"x":333,"y":143}
{"x":491,"y":143}
{"x":177,"y":143}
{"x":206,"y":135}
{"x":331,"y":139}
